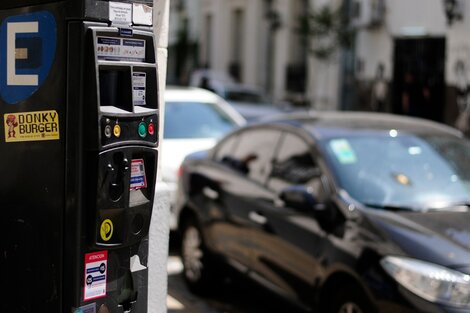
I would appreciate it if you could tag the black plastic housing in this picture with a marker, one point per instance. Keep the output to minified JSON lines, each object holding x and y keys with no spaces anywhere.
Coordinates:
{"x":56,"y":194}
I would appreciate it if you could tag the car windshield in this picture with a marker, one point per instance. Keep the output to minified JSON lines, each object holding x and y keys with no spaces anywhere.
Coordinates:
{"x":406,"y":171}
{"x":244,"y":96}
{"x":195,"y":120}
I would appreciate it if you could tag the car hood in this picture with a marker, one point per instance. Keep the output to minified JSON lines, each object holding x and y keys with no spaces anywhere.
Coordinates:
{"x":437,"y":237}
{"x":175,"y":150}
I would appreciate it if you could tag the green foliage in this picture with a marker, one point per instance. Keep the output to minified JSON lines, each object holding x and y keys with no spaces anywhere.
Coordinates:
{"x":329,"y":29}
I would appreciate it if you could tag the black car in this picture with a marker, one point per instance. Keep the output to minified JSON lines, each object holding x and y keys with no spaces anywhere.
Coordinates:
{"x":338,"y":212}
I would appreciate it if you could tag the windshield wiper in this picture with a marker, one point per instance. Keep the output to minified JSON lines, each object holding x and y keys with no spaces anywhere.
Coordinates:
{"x":388,"y":207}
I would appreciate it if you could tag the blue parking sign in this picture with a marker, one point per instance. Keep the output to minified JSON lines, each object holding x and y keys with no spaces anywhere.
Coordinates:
{"x":27,"y":51}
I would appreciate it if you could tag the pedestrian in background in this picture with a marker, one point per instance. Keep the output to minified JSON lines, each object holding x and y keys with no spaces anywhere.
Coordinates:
{"x":379,"y":90}
{"x":463,"y":120}
{"x":411,"y":100}
{"x":205,"y":84}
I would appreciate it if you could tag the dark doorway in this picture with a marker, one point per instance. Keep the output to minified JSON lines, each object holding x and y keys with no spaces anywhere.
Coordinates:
{"x":419,"y":86}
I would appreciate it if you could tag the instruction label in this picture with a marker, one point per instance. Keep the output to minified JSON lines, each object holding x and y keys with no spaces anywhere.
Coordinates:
{"x":139,"y":80}
{"x":96,"y":269}
{"x":120,"y":13}
{"x":31,"y":126}
{"x":138,"y":180}
{"x":120,"y":49}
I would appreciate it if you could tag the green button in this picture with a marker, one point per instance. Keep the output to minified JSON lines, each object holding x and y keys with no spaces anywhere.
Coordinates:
{"x":142,"y":130}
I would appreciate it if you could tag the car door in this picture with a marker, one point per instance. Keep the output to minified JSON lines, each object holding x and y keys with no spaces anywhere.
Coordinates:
{"x":236,"y":176}
{"x":288,"y":241}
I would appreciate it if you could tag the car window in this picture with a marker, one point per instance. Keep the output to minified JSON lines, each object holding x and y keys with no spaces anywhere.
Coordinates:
{"x":225,"y":148}
{"x":254,"y":153}
{"x":196,"y":120}
{"x":416,"y":172}
{"x":294,"y":165}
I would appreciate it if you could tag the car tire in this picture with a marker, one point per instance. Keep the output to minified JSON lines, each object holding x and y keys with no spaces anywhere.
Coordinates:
{"x":348,"y":299}
{"x":198,"y":264}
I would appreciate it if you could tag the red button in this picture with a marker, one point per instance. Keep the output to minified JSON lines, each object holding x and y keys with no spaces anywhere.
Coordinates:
{"x":151,"y":129}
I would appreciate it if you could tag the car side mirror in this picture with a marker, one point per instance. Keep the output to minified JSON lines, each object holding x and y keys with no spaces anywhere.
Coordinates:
{"x":300,"y":198}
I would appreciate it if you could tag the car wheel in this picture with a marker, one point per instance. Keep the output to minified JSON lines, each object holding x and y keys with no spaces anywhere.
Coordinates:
{"x":198,"y":266}
{"x":348,"y":300}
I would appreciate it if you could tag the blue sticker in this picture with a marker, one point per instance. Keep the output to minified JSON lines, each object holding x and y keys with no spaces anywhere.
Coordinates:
{"x":28,"y":47}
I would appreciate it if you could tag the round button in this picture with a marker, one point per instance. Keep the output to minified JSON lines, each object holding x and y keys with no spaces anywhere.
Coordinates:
{"x":117,"y":130}
{"x":142,"y":130}
{"x":151,"y":129}
{"x":107,"y":131}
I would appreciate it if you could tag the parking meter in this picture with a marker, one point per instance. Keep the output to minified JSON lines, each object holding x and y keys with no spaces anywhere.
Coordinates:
{"x":78,"y":150}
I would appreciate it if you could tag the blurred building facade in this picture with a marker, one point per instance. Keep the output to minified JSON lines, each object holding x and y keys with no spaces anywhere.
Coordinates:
{"x":408,"y":56}
{"x":255,"y":41}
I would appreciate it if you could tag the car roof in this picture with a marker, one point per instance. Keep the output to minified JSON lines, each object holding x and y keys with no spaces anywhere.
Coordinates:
{"x":180,"y":93}
{"x":344,"y":123}
{"x":233,"y":87}
{"x":193,"y":94}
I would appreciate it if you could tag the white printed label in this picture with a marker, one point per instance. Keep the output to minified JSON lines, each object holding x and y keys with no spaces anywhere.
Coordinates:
{"x":96,"y":268}
{"x":139,"y":80}
{"x":120,"y":13}
{"x":142,"y":14}
{"x":120,"y":49}
{"x":138,"y":180}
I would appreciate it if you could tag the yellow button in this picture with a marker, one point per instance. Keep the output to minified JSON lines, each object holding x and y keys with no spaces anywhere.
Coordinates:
{"x":117,"y":130}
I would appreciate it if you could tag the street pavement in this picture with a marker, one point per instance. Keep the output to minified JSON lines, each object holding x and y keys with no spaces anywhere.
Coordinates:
{"x":235,"y":295}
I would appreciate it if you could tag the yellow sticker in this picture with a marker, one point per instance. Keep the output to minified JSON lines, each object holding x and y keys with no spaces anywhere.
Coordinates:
{"x":106,"y":230}
{"x":31,"y":126}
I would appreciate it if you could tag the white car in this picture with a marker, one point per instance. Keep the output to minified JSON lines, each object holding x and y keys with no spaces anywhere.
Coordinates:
{"x":247,"y":100}
{"x":194,"y":120}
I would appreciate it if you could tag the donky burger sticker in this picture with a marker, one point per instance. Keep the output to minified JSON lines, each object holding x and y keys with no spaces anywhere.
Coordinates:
{"x":31,"y":126}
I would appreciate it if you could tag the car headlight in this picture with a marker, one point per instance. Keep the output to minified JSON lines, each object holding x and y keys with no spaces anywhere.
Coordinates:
{"x":432,"y":282}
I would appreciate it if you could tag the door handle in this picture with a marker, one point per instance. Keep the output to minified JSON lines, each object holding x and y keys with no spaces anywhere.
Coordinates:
{"x":257,"y":218}
{"x":210,"y":193}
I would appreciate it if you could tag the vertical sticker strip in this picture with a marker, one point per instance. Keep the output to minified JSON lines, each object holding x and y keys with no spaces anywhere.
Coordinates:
{"x":139,"y":80}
